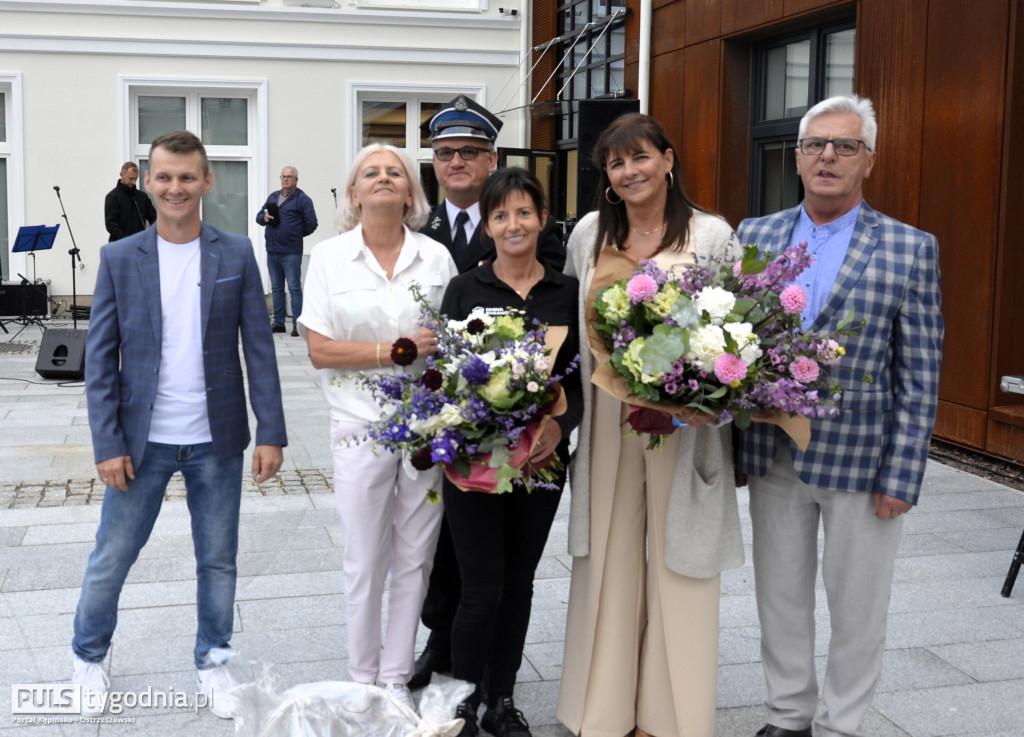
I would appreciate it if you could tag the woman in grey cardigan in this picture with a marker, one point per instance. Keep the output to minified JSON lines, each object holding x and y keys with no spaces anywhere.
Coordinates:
{"x":650,"y":530}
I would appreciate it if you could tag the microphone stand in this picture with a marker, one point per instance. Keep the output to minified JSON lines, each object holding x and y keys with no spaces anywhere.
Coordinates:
{"x":74,"y":252}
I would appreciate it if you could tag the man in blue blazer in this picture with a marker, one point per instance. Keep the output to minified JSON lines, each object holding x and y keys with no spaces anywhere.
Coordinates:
{"x":862,"y":470}
{"x":165,"y":392}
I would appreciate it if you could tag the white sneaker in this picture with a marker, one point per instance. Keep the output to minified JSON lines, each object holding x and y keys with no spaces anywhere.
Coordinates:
{"x":94,"y":682}
{"x":217,"y":685}
{"x":400,"y":692}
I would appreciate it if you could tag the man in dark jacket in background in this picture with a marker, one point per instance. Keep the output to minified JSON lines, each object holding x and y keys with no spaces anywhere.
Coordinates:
{"x":289,"y":217}
{"x":127,"y":210}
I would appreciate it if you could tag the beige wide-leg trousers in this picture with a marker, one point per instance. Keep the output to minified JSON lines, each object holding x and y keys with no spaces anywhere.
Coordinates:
{"x":641,"y":644}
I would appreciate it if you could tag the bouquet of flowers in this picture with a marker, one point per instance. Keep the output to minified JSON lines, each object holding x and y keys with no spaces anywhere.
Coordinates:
{"x":479,"y":405}
{"x":725,"y":339}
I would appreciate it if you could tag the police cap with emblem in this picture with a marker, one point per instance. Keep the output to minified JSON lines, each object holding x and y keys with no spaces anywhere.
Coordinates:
{"x":462,"y":118}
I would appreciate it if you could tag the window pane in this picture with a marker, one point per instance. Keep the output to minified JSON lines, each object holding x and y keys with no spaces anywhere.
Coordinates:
{"x":3,"y":118}
{"x":227,"y":205}
{"x":225,"y":121}
{"x":384,"y":122}
{"x":780,"y":184}
{"x":544,"y":168}
{"x":523,"y":162}
{"x":617,"y":76}
{"x":579,"y":85}
{"x":839,"y":63}
{"x":572,"y":168}
{"x":5,"y":261}
{"x":430,"y":186}
{"x":787,"y":71}
{"x":427,"y":111}
{"x":618,"y":37}
{"x":158,"y":115}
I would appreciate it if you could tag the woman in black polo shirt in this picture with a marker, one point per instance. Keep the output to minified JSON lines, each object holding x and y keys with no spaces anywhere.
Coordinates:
{"x":499,"y":538}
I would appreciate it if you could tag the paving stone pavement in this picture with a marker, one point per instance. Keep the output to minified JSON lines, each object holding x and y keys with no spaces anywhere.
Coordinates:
{"x":953,"y":661}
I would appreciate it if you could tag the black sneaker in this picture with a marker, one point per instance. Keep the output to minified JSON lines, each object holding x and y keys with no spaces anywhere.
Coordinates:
{"x":278,"y":329}
{"x":505,"y":720}
{"x":467,"y":712}
{"x":295,"y":332}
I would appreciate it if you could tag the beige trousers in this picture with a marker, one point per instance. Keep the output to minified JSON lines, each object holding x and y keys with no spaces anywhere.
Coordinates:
{"x":641,"y":644}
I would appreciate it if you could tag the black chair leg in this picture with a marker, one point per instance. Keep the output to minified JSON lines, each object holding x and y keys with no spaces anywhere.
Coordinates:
{"x":1011,"y":576}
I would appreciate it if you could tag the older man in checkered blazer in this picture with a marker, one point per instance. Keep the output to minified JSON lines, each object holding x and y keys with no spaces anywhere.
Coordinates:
{"x":862,"y":470}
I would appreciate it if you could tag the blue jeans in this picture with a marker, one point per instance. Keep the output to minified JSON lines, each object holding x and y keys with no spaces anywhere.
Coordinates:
{"x":126,"y":521}
{"x":285,"y":267}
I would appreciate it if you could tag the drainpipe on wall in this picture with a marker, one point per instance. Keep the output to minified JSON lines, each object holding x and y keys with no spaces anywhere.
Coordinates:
{"x":525,"y":52}
{"x":643,"y":91}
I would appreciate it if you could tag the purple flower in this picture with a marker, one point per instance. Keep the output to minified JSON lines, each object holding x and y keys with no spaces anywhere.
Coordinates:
{"x":650,"y":267}
{"x":442,"y":449}
{"x":475,"y":370}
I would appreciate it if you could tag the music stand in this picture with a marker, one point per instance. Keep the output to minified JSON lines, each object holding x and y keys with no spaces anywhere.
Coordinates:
{"x":32,"y":238}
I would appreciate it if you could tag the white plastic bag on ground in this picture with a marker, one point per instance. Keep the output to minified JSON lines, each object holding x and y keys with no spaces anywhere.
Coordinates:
{"x":338,"y":708}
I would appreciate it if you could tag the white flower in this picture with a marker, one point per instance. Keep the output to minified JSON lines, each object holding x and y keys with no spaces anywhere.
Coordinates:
{"x":533,"y":386}
{"x":715,"y":301}
{"x":746,"y":339}
{"x":541,"y":364}
{"x":449,"y":416}
{"x":707,"y":343}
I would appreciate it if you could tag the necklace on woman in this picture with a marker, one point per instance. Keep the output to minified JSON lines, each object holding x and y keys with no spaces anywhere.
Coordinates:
{"x":647,"y":232}
{"x":526,"y":283}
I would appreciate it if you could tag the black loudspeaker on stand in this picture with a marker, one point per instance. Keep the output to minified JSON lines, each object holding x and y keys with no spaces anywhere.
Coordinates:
{"x":62,"y":354}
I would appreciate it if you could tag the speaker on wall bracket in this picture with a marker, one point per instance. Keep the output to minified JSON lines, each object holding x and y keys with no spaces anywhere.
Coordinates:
{"x":595,"y":115}
{"x":62,"y":355}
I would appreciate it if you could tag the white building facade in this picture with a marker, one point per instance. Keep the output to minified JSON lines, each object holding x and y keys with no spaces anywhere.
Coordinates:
{"x":86,"y":85}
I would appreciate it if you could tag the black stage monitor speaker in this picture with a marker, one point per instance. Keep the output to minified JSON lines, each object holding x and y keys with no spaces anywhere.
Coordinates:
{"x":62,"y":355}
{"x":595,"y":116}
{"x":27,"y":300}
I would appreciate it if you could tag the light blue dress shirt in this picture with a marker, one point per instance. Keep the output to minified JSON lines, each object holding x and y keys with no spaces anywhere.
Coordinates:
{"x":828,"y":244}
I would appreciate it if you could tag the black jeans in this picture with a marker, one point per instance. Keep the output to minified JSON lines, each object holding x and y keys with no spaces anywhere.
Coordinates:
{"x":499,"y":540}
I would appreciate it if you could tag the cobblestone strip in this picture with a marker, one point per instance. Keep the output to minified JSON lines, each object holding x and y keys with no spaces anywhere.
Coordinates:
{"x":76,"y":492}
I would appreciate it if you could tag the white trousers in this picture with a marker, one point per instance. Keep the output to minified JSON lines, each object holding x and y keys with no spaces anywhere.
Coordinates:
{"x":857,"y":569}
{"x":388,"y":526}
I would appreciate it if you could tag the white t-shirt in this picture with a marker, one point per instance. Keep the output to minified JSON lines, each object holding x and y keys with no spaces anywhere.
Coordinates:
{"x":348,"y":297}
{"x":179,"y":413}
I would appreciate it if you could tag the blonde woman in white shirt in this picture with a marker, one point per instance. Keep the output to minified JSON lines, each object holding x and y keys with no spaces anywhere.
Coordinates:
{"x":357,"y":303}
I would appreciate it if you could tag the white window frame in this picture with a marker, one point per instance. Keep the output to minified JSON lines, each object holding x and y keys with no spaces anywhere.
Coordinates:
{"x":193,"y":88}
{"x":478,"y":6}
{"x":13,"y":149}
{"x":412,"y":95}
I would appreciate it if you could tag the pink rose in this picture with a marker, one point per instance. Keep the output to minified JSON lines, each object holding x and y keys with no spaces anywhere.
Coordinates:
{"x":793,"y":299}
{"x":641,"y":287}
{"x":804,"y":369}
{"x":729,"y":369}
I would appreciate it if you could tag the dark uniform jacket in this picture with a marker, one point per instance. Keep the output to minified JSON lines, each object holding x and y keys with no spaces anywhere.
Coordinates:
{"x":127,"y":210}
{"x":480,"y":250}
